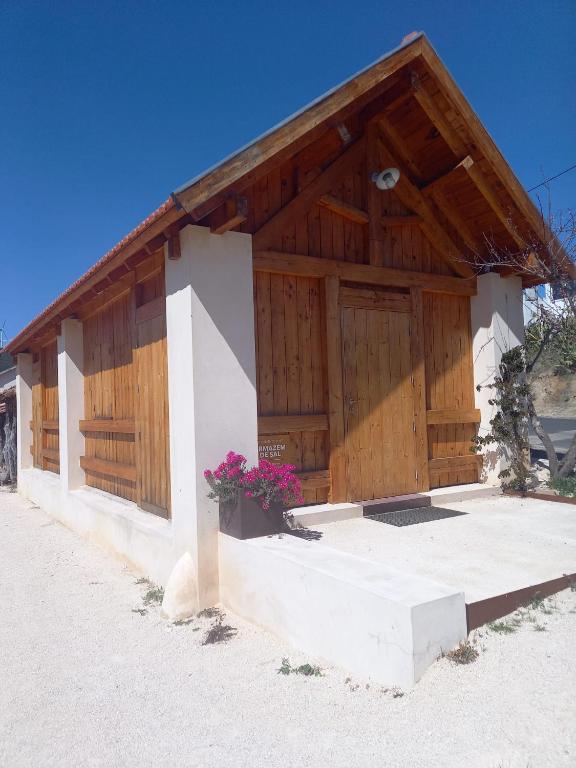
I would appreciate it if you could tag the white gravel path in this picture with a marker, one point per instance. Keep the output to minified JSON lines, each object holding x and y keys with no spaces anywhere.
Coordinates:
{"x":85,"y":681}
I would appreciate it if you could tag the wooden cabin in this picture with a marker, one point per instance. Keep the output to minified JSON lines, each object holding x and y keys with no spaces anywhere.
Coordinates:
{"x":319,"y":296}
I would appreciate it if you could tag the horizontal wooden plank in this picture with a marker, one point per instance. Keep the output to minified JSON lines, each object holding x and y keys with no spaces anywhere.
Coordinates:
{"x":343,"y":209}
{"x":108,"y":468}
{"x":455,"y":463}
{"x":51,"y":455}
{"x":453,"y":416}
{"x":51,"y":426}
{"x":311,"y":480}
{"x":151,"y":309}
{"x":364,"y":297}
{"x":123,"y":426}
{"x":312,"y":266}
{"x":271,"y":425}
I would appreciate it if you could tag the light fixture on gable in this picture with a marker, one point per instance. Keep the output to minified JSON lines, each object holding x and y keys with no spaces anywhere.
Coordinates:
{"x":386,"y":179}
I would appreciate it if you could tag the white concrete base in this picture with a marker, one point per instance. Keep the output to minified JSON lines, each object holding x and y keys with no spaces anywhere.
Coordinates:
{"x":455,"y":493}
{"x":371,"y":619}
{"x":142,"y":539}
{"x":181,"y":594}
{"x":316,"y":514}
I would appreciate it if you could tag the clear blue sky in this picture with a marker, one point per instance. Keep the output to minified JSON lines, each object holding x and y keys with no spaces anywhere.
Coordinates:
{"x":106,"y":107}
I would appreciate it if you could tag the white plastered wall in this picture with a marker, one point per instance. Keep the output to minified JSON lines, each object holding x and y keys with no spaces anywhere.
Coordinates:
{"x":497,"y":315}
{"x":211,"y":382}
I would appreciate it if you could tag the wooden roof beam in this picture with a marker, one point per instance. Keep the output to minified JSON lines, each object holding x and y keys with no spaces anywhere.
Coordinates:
{"x":438,"y":118}
{"x":299,"y":205}
{"x":476,"y":175}
{"x":414,"y":199}
{"x":236,"y":212}
{"x":441,"y":181}
{"x":347,"y":211}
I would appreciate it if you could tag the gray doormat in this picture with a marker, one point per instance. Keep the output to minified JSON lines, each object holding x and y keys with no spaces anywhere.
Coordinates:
{"x":414,"y":516}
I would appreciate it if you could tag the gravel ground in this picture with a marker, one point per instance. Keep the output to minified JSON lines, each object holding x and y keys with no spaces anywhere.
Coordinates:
{"x":91,"y":677}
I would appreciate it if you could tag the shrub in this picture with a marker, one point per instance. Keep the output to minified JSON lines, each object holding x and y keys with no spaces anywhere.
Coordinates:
{"x":267,"y":483}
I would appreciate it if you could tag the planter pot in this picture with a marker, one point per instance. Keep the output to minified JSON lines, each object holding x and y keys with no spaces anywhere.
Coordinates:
{"x":245,"y":519}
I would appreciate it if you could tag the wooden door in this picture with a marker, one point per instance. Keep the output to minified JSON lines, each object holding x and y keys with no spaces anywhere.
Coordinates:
{"x":378,"y":395}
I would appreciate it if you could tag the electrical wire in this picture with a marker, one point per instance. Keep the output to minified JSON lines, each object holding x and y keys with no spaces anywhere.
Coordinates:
{"x":552,"y":178}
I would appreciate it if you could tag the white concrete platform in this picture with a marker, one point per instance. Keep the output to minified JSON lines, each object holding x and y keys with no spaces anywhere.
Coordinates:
{"x":370,"y":618}
{"x":501,"y":545}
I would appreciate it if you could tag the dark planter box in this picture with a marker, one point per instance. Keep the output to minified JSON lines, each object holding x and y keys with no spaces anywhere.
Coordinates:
{"x":245,"y":519}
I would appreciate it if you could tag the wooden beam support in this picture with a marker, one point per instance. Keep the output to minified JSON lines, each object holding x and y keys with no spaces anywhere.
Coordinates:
{"x":343,"y":209}
{"x":437,"y":118}
{"x":236,"y":214}
{"x":299,"y":206}
{"x":441,"y":181}
{"x":272,"y":425}
{"x":414,"y":199}
{"x":397,"y":148}
{"x":334,"y":381}
{"x":374,"y":199}
{"x":453,"y":215}
{"x":476,"y":175}
{"x":419,"y":384}
{"x":174,"y":252}
{"x":281,"y":263}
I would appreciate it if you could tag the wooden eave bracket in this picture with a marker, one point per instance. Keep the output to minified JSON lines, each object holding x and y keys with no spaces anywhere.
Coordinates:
{"x":236,"y":212}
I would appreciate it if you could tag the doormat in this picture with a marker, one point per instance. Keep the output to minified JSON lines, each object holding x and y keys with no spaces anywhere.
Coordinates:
{"x":414,"y":516}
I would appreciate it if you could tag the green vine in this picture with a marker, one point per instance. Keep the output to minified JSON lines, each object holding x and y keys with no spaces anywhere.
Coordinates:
{"x":509,"y":427}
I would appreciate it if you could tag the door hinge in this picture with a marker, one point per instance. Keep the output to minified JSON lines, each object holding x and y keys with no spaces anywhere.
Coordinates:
{"x":416,"y":473}
{"x":413,"y":426}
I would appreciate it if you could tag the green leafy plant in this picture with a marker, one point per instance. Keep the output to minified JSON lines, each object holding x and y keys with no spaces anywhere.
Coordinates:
{"x":307,"y":670}
{"x":566,"y":486}
{"x":509,"y":426}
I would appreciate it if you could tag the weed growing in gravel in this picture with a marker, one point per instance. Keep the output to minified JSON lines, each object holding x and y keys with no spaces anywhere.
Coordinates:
{"x":308,"y":670}
{"x":219,"y":632}
{"x":539,"y":628}
{"x":573,"y":586}
{"x":141,"y":611}
{"x":465,"y":653}
{"x":210,"y":613}
{"x":153,"y":596}
{"x":506,"y":627}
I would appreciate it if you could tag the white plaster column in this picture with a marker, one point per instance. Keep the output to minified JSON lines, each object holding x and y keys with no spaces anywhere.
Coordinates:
{"x":71,"y":403}
{"x":211,"y":383}
{"x":24,"y":382}
{"x":497,"y":315}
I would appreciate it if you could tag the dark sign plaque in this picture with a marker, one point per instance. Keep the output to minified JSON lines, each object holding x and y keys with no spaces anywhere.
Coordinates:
{"x":279,"y":449}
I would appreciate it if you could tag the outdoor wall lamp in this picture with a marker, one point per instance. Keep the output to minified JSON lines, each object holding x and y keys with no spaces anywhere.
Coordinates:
{"x":386,"y":179}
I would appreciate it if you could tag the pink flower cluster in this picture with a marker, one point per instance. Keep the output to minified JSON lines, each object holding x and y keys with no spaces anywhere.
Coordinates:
{"x":267,"y":483}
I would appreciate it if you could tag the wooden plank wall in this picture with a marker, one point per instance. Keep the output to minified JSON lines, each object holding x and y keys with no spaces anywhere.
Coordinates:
{"x":44,"y":424}
{"x":290,"y":370}
{"x":290,"y":310}
{"x":37,"y":408}
{"x":109,"y":389}
{"x":125,"y":387}
{"x":449,"y":386}
{"x":50,"y":428}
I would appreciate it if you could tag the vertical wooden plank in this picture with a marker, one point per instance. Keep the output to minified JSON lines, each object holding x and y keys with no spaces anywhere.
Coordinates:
{"x":374,"y":200}
{"x":337,"y":463}
{"x":419,"y":385}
